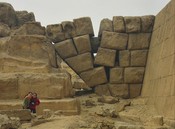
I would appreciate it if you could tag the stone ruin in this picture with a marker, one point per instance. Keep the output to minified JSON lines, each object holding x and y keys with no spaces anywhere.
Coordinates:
{"x":131,"y":57}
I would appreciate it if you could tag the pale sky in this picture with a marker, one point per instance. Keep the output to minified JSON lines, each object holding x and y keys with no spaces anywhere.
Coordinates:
{"x":56,"y":11}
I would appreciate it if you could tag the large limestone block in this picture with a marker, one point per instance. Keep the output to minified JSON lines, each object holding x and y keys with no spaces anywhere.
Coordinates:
{"x":147,"y":23}
{"x":82,"y":44}
{"x":79,"y":84}
{"x":24,"y":17}
{"x":95,"y":44}
{"x":116,"y":75}
{"x":119,"y":24}
{"x":133,"y":24}
{"x":4,"y":30}
{"x":68,"y":29}
{"x":135,"y":90}
{"x":102,"y":90}
{"x":66,"y":48}
{"x":113,"y":40}
{"x":105,"y":25}
{"x":124,"y":58}
{"x":8,"y":86}
{"x":94,"y":77}
{"x":81,"y":62}
{"x":7,"y":14}
{"x":105,"y":57}
{"x":83,"y":26}
{"x":119,"y":90}
{"x":139,"y":41}
{"x":138,"y":57}
{"x":55,"y":33}
{"x":134,"y":74}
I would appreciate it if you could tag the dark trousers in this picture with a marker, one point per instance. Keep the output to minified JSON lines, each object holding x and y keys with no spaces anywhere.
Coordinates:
{"x":33,"y":110}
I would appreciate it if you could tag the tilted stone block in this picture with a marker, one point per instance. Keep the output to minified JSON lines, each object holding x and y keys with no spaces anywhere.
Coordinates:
{"x":55,"y":33}
{"x":134,"y":74}
{"x":119,"y":24}
{"x":81,"y":62}
{"x":66,"y":49}
{"x":116,"y":75}
{"x":134,"y":90}
{"x":113,"y":40}
{"x":147,"y":23}
{"x":82,"y":44}
{"x":119,"y":90}
{"x":124,"y":58}
{"x":68,"y":29}
{"x":95,"y":43}
{"x":102,"y":90}
{"x":105,"y":25}
{"x":83,"y":26}
{"x":139,"y":57}
{"x":139,"y":41}
{"x":94,"y":77}
{"x":105,"y":57}
{"x":133,"y":24}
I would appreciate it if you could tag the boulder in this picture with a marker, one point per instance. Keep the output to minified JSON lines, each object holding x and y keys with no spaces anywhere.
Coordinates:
{"x":102,"y":90}
{"x":24,"y":17}
{"x":68,"y":29}
{"x":147,"y":23}
{"x":55,"y":33}
{"x":66,"y":49}
{"x":81,"y":62}
{"x":139,"y":57}
{"x":124,"y":58}
{"x":94,"y":77}
{"x":113,"y":40}
{"x":83,"y":26}
{"x":135,"y":90}
{"x":121,"y":105}
{"x":133,"y":24}
{"x":116,"y":75}
{"x":7,"y":14}
{"x":4,"y":30}
{"x":95,"y":44}
{"x":139,"y":41}
{"x":134,"y":74}
{"x":119,"y":90}
{"x":119,"y":24}
{"x":108,"y":99}
{"x":105,"y":57}
{"x":82,"y":44}
{"x":105,"y":25}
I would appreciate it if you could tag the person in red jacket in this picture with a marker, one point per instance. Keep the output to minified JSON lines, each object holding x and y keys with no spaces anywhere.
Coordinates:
{"x":34,"y":101}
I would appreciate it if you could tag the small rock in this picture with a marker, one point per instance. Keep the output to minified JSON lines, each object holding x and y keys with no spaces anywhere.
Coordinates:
{"x":108,"y":99}
{"x":90,"y":103}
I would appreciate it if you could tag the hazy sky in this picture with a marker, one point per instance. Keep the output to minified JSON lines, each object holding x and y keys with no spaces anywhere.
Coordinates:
{"x":56,"y":11}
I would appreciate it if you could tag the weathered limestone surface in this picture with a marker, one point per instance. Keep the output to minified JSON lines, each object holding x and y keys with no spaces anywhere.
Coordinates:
{"x":119,"y":24}
{"x":94,"y":77}
{"x":81,"y":62}
{"x":4,"y":30}
{"x":133,"y":24}
{"x":119,"y":90}
{"x":113,"y":40}
{"x":147,"y":23}
{"x":82,"y":43}
{"x":66,"y":48}
{"x":138,"y":57}
{"x":68,"y":29}
{"x":134,"y":90}
{"x":116,"y":75}
{"x":124,"y":58}
{"x":105,"y":57}
{"x":102,"y":90}
{"x":105,"y":25}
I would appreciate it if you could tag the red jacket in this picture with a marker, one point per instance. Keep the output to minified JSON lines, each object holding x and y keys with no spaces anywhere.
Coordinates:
{"x":33,"y":103}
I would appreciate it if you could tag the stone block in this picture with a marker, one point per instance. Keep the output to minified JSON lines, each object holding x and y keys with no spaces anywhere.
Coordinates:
{"x":119,"y":24}
{"x":119,"y":90}
{"x":81,"y":62}
{"x":105,"y":57}
{"x":79,"y":84}
{"x":55,"y":33}
{"x":139,"y":57}
{"x":135,"y":90}
{"x":22,"y":114}
{"x":94,"y":77}
{"x":102,"y":90}
{"x":82,"y":43}
{"x":95,"y":44}
{"x":4,"y":30}
{"x":83,"y":26}
{"x":139,"y":41}
{"x":134,"y":74}
{"x":68,"y":29}
{"x":105,"y":25}
{"x":133,"y":24}
{"x":116,"y":75}
{"x":113,"y":40}
{"x":66,"y":49}
{"x":124,"y":58}
{"x":147,"y":23}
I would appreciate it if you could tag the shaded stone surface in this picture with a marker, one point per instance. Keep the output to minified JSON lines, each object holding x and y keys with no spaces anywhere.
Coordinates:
{"x":4,"y":30}
{"x":138,"y":57}
{"x":119,"y":24}
{"x":147,"y":23}
{"x":68,"y":29}
{"x":135,"y":90}
{"x":124,"y":58}
{"x":105,"y":25}
{"x":119,"y":90}
{"x":102,"y":90}
{"x":116,"y":75}
{"x":95,"y":44}
{"x":133,"y":24}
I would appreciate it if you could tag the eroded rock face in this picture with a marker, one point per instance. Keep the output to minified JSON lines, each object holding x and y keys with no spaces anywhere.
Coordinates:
{"x":4,"y":30}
